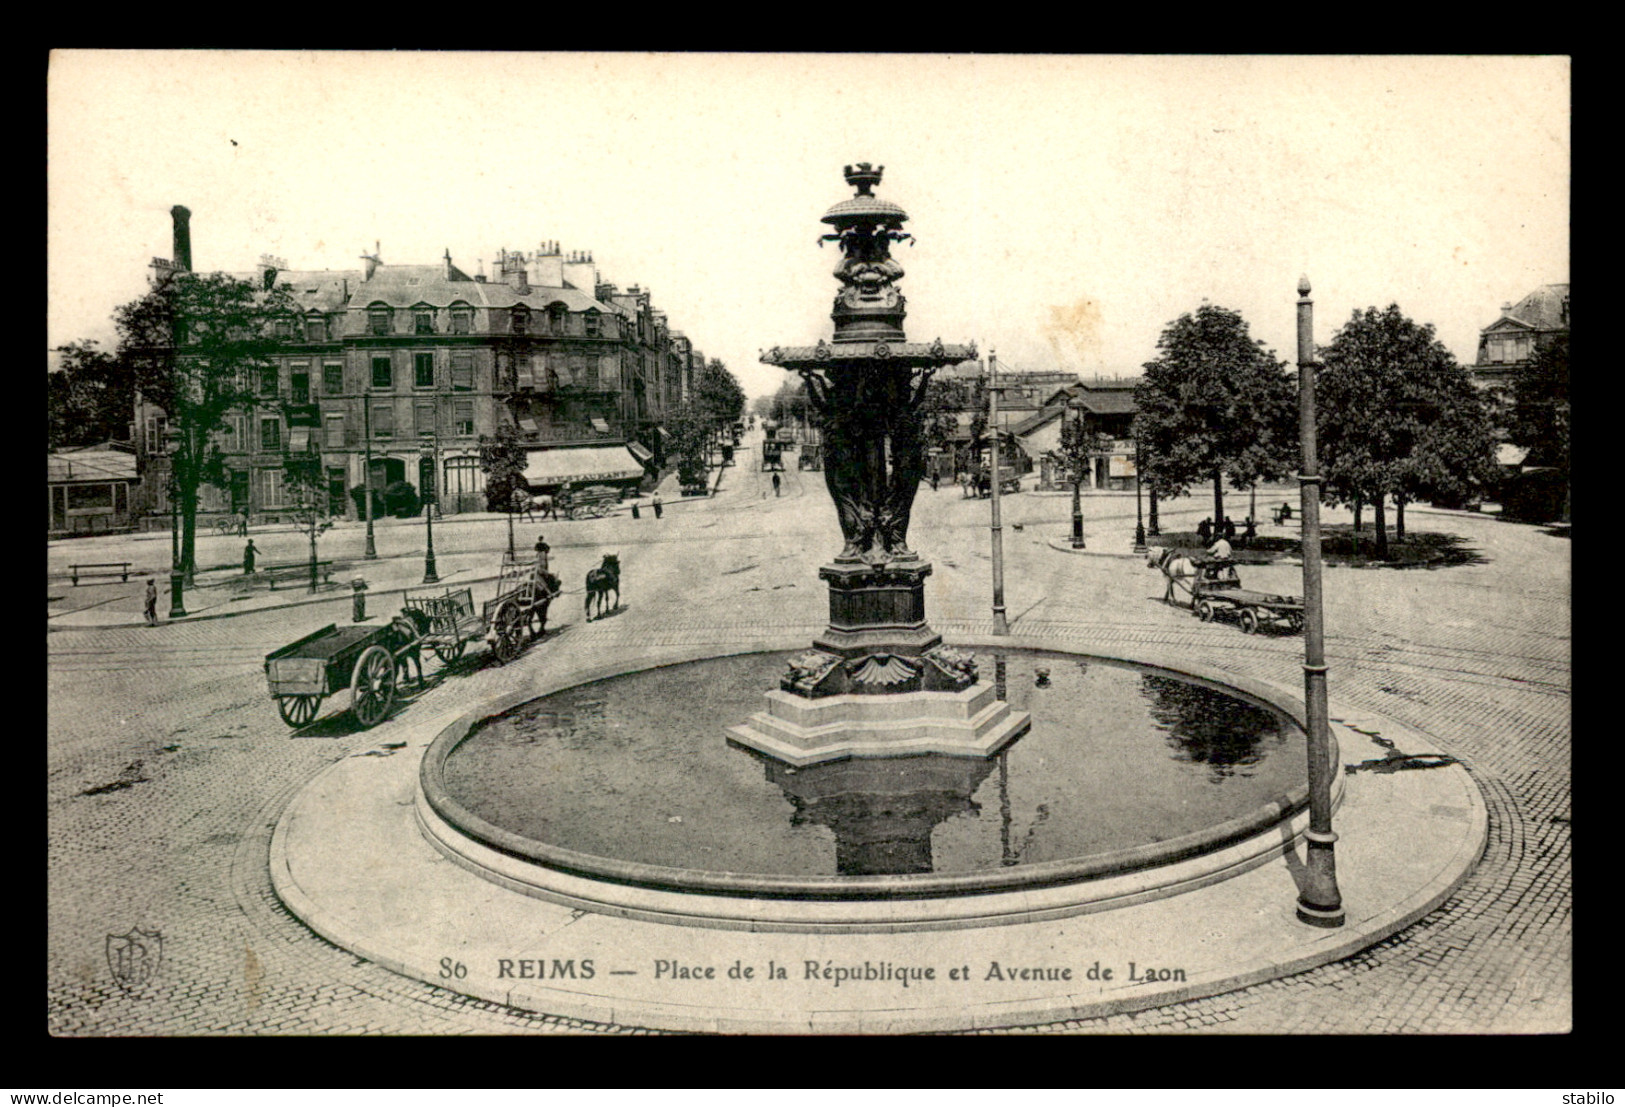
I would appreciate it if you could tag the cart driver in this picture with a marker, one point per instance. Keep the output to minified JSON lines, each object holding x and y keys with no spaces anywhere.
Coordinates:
{"x":545,"y":582}
{"x":1220,"y":550}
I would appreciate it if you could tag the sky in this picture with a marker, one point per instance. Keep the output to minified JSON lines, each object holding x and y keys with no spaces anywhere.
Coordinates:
{"x":1065,"y":209}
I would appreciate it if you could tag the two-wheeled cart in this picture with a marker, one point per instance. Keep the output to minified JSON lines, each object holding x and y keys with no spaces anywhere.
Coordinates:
{"x":362,"y":659}
{"x":1216,"y":592}
{"x":515,"y":616}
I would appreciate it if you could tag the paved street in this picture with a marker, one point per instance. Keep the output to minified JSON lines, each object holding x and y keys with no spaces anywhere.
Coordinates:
{"x":168,"y":765}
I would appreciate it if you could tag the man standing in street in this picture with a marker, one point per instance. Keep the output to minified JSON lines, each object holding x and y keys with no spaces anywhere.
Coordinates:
{"x":657,"y":505}
{"x":152,"y":603}
{"x":775,"y":486}
{"x":248,"y":557}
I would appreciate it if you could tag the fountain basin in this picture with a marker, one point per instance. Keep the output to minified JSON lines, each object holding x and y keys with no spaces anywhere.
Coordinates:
{"x":620,"y":796}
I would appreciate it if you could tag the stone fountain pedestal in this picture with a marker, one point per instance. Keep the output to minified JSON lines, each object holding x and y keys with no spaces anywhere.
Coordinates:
{"x":879,"y":682}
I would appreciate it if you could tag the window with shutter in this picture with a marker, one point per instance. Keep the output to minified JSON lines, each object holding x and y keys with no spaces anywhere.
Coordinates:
{"x":383,"y":421}
{"x":462,"y":372}
{"x":335,"y":432}
{"x":423,"y":369}
{"x":270,"y":434}
{"x":333,"y":378}
{"x":464,"y":413}
{"x":383,"y":373}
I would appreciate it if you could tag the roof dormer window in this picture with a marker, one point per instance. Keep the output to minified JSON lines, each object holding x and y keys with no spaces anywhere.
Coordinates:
{"x":379,"y":319}
{"x":594,"y":324}
{"x":521,"y":319}
{"x":422,"y":320}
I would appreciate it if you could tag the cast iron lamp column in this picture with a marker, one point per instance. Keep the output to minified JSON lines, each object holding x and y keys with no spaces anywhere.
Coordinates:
{"x":366,"y":418}
{"x":1319,"y":901}
{"x":1000,"y":625}
{"x":177,"y":578}
{"x":1077,"y":481}
{"x":428,"y":451}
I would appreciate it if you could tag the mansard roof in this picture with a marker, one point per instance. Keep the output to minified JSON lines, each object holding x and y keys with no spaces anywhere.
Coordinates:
{"x":1541,"y":310}
{"x":403,"y":286}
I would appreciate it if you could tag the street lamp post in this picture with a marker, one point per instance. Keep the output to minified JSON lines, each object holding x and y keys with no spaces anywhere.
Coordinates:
{"x":1319,"y":901}
{"x":366,"y":418}
{"x":1139,"y":524}
{"x":177,"y":577}
{"x":1000,"y":625}
{"x":429,"y":451}
{"x":1077,"y":477}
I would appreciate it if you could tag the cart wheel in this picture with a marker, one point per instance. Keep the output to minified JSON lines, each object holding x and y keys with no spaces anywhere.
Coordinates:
{"x":1249,"y":621}
{"x":1204,"y":611}
{"x":1295,"y":622}
{"x":298,"y":710}
{"x":509,"y":628}
{"x":374,"y":686}
{"x":448,"y":654}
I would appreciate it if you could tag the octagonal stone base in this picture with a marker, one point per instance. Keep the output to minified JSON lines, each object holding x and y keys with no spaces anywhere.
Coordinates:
{"x":801,"y":731}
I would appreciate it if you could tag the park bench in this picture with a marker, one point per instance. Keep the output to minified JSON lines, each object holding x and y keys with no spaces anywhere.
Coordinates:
{"x":591,"y":502}
{"x":100,"y":569}
{"x":296,"y":571}
{"x":1280,"y":515}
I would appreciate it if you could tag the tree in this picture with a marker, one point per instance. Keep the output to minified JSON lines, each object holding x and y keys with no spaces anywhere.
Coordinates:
{"x":502,"y":460}
{"x":1395,"y":416}
{"x":195,"y":345}
{"x":690,"y":430}
{"x":1214,"y":403}
{"x":1539,"y":419}
{"x":88,"y":397}
{"x":303,"y":479}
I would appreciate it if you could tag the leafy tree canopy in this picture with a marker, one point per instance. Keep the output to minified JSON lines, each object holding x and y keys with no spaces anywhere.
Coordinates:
{"x":1539,"y":418}
{"x":1214,"y":402}
{"x":88,"y":397}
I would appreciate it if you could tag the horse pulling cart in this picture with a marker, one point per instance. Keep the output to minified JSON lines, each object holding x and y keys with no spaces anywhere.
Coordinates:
{"x":1214,"y":591}
{"x":516,"y":615}
{"x":362,"y":659}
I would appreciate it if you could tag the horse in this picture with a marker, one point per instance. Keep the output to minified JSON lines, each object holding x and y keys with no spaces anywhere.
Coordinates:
{"x":601,"y":582}
{"x":1174,"y":565}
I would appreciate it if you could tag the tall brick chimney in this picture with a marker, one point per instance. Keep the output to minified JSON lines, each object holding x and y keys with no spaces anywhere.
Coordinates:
{"x":181,"y":251}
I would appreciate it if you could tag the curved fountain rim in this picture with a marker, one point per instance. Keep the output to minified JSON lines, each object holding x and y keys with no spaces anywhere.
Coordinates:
{"x":448,"y":811}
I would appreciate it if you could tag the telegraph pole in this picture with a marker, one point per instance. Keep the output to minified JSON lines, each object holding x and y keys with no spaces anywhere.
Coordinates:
{"x":1319,"y":901}
{"x":1000,"y":625}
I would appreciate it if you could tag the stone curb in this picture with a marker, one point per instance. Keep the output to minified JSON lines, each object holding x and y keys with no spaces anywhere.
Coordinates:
{"x":1232,"y":934}
{"x":1064,"y":545}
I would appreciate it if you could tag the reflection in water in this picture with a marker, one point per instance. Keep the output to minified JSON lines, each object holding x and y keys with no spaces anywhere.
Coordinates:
{"x":1209,"y":727}
{"x":882,"y":810}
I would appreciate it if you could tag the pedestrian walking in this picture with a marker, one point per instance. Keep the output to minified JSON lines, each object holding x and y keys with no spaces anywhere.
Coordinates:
{"x":775,"y":485}
{"x":152,"y":603}
{"x":1250,"y":533}
{"x":248,"y":556}
{"x":656,"y":504}
{"x":242,"y":525}
{"x":635,"y":514}
{"x":1204,"y":531}
{"x":933,"y":480}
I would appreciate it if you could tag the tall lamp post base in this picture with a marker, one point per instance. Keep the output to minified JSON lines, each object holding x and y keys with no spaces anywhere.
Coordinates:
{"x":177,"y":605}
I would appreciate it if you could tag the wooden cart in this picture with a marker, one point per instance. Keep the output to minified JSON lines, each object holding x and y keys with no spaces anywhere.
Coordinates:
{"x":516,"y":615}
{"x":1216,"y":592}
{"x":362,"y":659}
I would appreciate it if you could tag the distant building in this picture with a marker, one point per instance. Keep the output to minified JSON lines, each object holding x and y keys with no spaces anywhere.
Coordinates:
{"x":383,"y":359}
{"x":1108,"y":406}
{"x":1522,"y":329}
{"x":90,"y":489}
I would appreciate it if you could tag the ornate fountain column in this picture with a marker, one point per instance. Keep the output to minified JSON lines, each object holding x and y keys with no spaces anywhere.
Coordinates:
{"x":867,"y":385}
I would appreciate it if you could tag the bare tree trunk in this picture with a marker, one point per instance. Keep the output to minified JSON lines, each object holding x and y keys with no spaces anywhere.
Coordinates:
{"x":1218,"y":497}
{"x":1358,"y":504}
{"x":1399,"y":518}
{"x":1382,"y":527}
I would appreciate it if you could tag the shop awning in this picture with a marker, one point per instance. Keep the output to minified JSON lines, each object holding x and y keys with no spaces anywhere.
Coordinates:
{"x":600,"y":426}
{"x":641,"y":452}
{"x":298,"y":440}
{"x":581,"y":465}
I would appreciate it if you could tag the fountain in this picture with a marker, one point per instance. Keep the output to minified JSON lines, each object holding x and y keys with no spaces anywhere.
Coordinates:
{"x":878,"y":682}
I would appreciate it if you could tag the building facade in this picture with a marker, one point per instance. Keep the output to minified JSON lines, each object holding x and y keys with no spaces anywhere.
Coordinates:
{"x":400,"y":369}
{"x":1514,"y":338}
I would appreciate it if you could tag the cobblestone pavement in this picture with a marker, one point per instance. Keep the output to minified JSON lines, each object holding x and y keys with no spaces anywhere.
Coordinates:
{"x":168,"y":767}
